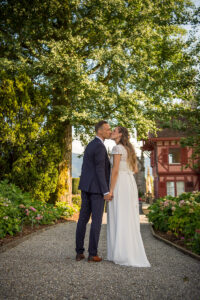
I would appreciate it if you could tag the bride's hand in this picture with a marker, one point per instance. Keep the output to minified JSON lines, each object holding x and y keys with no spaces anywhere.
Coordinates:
{"x":108,"y":197}
{"x":111,"y":194}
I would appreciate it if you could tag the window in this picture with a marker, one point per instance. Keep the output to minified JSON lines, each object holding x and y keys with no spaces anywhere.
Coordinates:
{"x":174,"y":156}
{"x":180,"y":187}
{"x":170,"y":188}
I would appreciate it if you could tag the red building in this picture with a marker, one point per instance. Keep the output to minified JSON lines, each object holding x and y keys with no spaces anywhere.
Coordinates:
{"x":169,"y":160}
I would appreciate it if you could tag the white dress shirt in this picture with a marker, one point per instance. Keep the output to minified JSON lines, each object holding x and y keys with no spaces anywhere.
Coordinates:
{"x":100,"y":139}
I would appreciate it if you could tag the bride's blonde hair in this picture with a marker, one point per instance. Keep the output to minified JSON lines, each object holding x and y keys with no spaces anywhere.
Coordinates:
{"x":132,"y":159}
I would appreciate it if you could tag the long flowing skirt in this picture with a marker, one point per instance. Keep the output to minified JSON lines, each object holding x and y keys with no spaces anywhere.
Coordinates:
{"x":124,"y":241}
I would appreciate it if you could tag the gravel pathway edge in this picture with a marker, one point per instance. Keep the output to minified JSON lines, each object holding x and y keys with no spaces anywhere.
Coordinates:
{"x":15,"y":243}
{"x":187,"y":252}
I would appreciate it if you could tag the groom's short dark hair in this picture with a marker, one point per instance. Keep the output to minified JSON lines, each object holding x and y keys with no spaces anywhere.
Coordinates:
{"x":99,"y":125}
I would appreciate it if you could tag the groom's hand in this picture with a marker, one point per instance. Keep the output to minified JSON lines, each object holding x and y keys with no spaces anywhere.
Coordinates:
{"x":108,"y":197}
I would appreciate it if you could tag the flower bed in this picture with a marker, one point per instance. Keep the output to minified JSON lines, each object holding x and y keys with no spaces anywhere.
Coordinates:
{"x":18,"y":209}
{"x":178,"y":216}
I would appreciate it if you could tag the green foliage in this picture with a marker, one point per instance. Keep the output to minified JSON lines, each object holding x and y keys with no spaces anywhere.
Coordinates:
{"x":118,"y":60}
{"x":180,"y":215}
{"x":29,"y":152}
{"x":68,"y":210}
{"x":159,"y":217}
{"x":75,"y":184}
{"x":140,"y":194}
{"x":10,"y":218}
{"x":13,"y":193}
{"x":18,"y":209}
{"x":188,"y":107}
{"x":124,"y":61}
{"x":76,"y":200}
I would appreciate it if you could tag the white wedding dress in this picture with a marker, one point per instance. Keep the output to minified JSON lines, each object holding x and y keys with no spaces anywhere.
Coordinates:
{"x":124,"y":241}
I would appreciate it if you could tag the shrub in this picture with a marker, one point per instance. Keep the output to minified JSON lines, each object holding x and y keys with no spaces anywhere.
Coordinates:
{"x":75,"y":183}
{"x":13,"y":193}
{"x":180,"y":215}
{"x":159,"y":214}
{"x":66,"y":209}
{"x":76,"y":200}
{"x":18,"y":209}
{"x":10,"y":218}
{"x":185,"y":221}
{"x":140,"y":194}
{"x":30,"y":150}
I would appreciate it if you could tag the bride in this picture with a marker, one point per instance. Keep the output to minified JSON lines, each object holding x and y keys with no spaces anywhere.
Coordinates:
{"x":124,"y":241}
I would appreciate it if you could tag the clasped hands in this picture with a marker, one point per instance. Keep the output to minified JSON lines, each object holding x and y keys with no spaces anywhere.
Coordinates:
{"x":109,"y":196}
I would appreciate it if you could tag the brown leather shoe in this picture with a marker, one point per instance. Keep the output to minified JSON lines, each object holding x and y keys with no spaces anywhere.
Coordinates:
{"x":79,"y":257}
{"x":94,"y":259}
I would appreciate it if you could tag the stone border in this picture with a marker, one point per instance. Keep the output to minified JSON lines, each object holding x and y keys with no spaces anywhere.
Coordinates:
{"x":187,"y":252}
{"x":15,"y":243}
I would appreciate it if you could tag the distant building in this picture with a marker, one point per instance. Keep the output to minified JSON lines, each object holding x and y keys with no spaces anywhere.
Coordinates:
{"x":169,"y":160}
{"x":140,"y":176}
{"x":149,"y":183}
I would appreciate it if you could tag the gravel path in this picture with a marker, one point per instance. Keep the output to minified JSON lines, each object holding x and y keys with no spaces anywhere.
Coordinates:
{"x":43,"y":267}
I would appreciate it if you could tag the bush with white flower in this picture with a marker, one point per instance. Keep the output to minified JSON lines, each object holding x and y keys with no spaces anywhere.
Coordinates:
{"x":179,"y":216}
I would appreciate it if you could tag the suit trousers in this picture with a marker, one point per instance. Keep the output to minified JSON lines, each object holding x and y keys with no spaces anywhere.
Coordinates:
{"x":92,"y":204}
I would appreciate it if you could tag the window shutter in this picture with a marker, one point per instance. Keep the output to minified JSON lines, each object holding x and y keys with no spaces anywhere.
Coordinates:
{"x":189,"y":186}
{"x":164,"y":153}
{"x":184,"y":156}
{"x":152,"y":158}
{"x":162,"y":189}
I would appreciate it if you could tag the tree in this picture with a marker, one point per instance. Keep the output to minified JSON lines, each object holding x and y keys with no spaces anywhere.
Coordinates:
{"x":28,"y":152}
{"x":185,"y":114}
{"x":124,"y":61}
{"x":191,"y":113}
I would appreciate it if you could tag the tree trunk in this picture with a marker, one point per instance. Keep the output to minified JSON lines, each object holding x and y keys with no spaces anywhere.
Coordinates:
{"x":64,"y":187}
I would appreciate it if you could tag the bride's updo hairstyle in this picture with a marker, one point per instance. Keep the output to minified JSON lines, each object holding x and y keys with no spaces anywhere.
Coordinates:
{"x":132,"y":159}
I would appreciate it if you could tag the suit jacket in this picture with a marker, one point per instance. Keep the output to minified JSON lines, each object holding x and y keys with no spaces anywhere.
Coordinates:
{"x":95,"y":173}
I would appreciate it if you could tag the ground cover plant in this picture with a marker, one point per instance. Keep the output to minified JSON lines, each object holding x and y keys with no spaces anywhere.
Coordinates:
{"x":18,"y":209}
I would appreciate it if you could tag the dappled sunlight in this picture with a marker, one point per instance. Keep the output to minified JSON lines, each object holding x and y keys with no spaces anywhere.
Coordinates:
{"x":143,"y":219}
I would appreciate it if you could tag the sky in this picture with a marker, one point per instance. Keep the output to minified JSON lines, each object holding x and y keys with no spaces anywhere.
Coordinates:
{"x":79,"y":149}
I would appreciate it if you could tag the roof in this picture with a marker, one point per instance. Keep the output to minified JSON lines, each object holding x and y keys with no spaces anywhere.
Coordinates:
{"x":169,"y":132}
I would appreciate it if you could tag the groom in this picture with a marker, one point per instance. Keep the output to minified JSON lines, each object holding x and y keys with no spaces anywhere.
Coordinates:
{"x":94,"y":186}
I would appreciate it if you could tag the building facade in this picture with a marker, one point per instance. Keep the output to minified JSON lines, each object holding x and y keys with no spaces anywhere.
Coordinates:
{"x":169,"y":161}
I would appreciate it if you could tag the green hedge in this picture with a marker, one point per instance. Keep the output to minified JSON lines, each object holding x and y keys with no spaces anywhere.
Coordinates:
{"x":75,"y":183}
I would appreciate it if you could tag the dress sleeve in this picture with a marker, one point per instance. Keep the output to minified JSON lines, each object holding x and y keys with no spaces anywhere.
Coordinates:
{"x":117,"y":150}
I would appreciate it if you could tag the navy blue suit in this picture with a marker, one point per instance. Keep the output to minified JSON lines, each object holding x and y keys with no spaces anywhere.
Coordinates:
{"x":94,"y":183}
